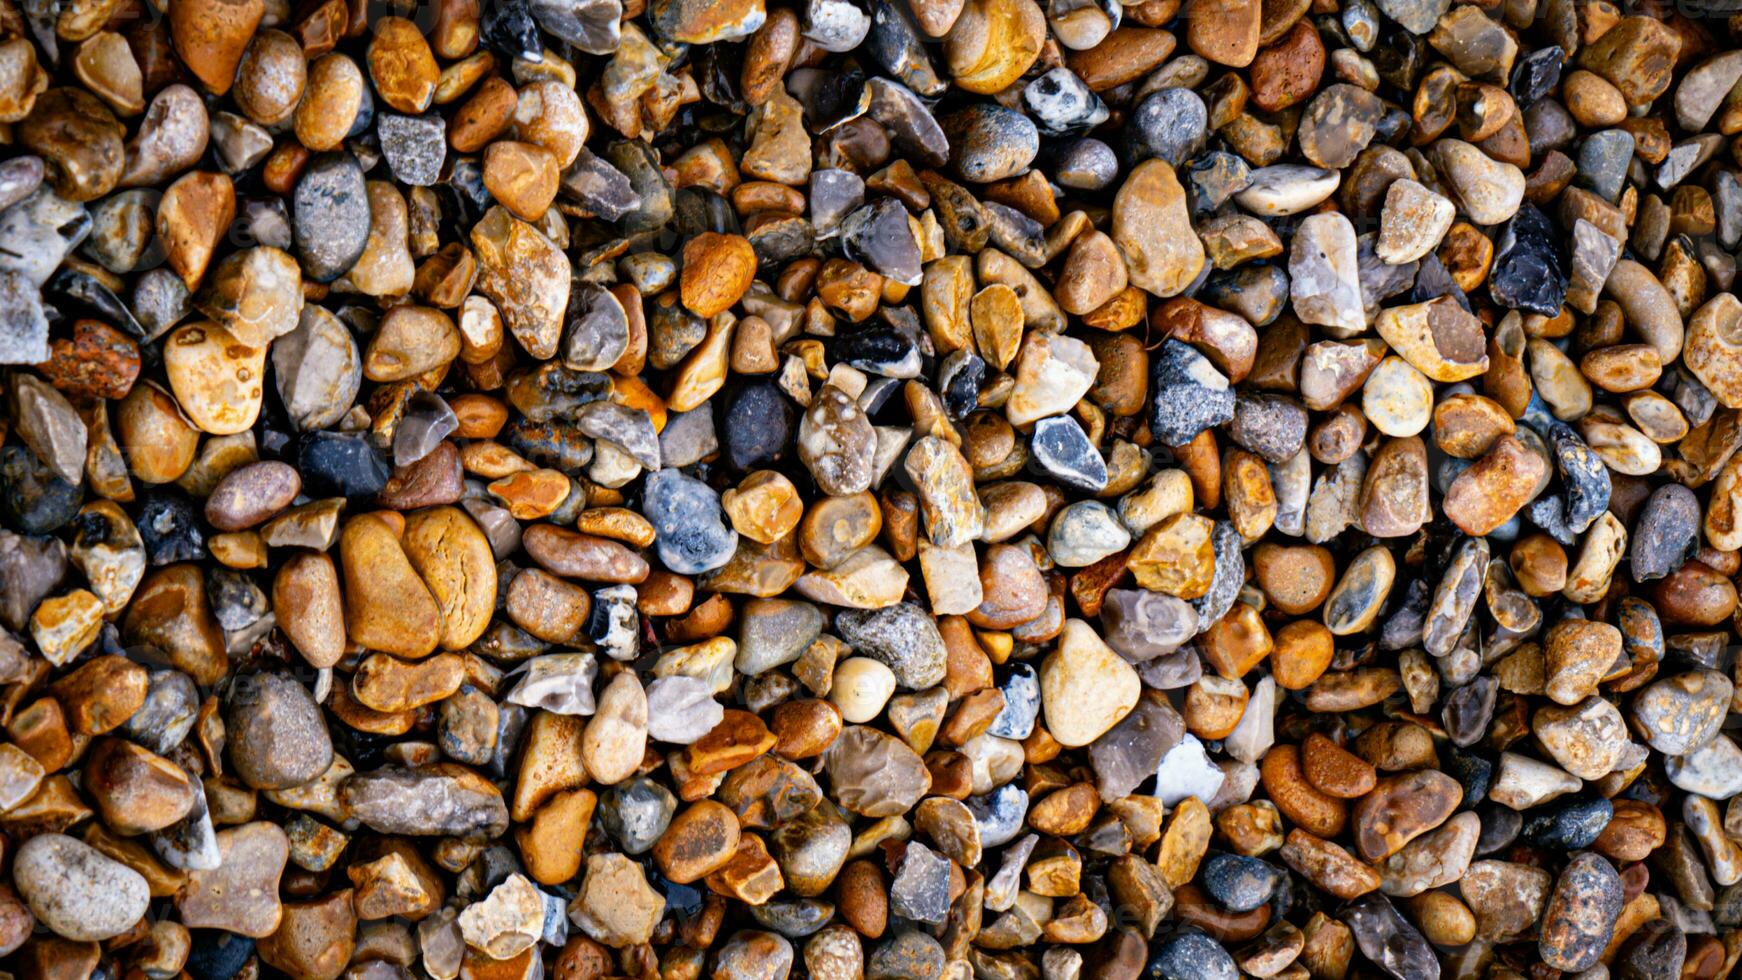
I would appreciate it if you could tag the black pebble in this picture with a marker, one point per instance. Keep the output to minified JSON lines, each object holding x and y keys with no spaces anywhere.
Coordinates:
{"x":336,"y":465}
{"x":757,"y":425}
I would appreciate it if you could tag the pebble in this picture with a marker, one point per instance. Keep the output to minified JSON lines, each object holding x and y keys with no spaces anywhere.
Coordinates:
{"x":76,"y":891}
{"x":1152,"y":227}
{"x":330,"y":216}
{"x":902,"y":637}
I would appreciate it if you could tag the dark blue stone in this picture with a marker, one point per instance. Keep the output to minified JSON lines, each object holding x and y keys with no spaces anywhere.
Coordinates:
{"x":169,"y":525}
{"x":1240,"y":883}
{"x":1403,"y":628}
{"x":880,"y":350}
{"x":33,"y":500}
{"x":757,"y":425}
{"x":1433,"y":280}
{"x":1549,"y":512}
{"x":1602,"y":161}
{"x":1584,"y":476}
{"x":72,"y":290}
{"x":895,"y":45}
{"x":508,"y":28}
{"x":1567,"y":825}
{"x":1473,"y":772}
{"x":1528,"y":272}
{"x":1500,"y":827}
{"x":960,"y":376}
{"x":1191,"y":955}
{"x":337,"y":465}
{"x":835,"y":98}
{"x":1536,"y":74}
{"x":214,"y":954}
{"x":683,"y":899}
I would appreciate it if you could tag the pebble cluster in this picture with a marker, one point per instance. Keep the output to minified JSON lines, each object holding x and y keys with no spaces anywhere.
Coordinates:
{"x":870,"y":490}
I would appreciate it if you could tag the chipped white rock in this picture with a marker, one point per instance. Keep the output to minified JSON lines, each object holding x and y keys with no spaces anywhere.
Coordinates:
{"x":561,"y":683}
{"x":1287,"y":188}
{"x":1186,"y":770}
{"x":681,"y":709}
{"x":1325,"y":276}
{"x":1413,"y":222}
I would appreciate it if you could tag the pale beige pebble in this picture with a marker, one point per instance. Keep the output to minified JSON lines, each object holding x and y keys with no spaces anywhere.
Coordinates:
{"x":952,"y":577}
{"x":1650,"y":310}
{"x":1053,"y":373}
{"x":509,"y":921}
{"x":385,"y":268}
{"x":1397,"y":399}
{"x":615,"y":905}
{"x":1151,"y":225}
{"x":1412,"y":223}
{"x":1085,"y":687}
{"x":1713,"y":351}
{"x":1620,"y":446}
{"x":1324,"y":275}
{"x":1558,"y":380}
{"x":870,"y":578}
{"x":862,"y":686}
{"x":1167,"y":493}
{"x":241,"y":893}
{"x":1489,"y":190}
{"x":616,"y":735}
{"x":1605,"y":542}
{"x":1521,"y":782}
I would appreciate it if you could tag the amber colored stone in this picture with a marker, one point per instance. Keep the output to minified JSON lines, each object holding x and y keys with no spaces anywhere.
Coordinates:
{"x":804,"y":728}
{"x":1333,"y":770}
{"x":1285,"y":783}
{"x":1401,"y":808}
{"x":1065,"y":812}
{"x":717,"y":270}
{"x":1295,"y":579}
{"x":211,"y":35}
{"x":739,"y":737}
{"x":699,"y":841}
{"x":863,"y":898}
{"x":402,"y":66}
{"x":1237,"y":642}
